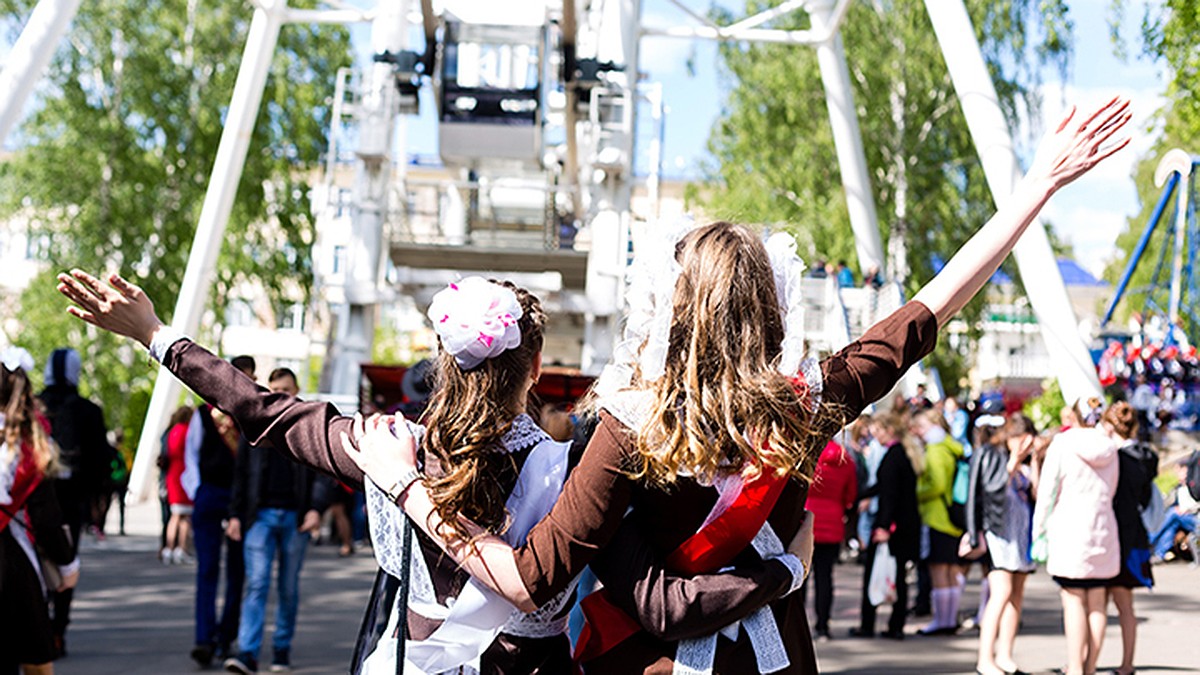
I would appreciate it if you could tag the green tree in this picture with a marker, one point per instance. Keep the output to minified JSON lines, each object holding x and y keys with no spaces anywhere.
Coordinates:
{"x":1170,"y":32}
{"x":774,"y":159}
{"x":113,"y":164}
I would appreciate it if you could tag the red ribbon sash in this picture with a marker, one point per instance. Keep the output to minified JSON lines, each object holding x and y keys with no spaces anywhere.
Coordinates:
{"x":708,"y":550}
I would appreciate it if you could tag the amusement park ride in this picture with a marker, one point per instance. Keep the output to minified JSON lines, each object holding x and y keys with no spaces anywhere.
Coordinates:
{"x":536,"y":103}
{"x":1175,"y":174}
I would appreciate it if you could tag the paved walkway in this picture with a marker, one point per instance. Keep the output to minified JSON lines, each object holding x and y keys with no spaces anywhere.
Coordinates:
{"x":134,"y":616}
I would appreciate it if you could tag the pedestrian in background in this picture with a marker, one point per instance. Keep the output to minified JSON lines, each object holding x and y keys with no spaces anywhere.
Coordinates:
{"x":29,"y":515}
{"x":1137,"y":467}
{"x":897,"y":521}
{"x":935,"y":490}
{"x":1003,"y":486}
{"x":275,"y":507}
{"x":211,"y":446}
{"x":831,"y":495}
{"x":77,"y":426}
{"x":179,"y":525}
{"x":1075,"y":531}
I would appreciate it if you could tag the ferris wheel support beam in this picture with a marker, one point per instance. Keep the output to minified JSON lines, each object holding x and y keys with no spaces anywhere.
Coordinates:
{"x":30,"y":55}
{"x":993,"y":141}
{"x":269,"y":17}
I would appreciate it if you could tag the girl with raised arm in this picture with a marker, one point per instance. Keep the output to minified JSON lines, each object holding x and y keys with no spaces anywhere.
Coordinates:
{"x":485,"y":459}
{"x":709,"y":426}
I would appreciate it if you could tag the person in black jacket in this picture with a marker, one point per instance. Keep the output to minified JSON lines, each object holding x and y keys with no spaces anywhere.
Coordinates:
{"x":77,"y":426}
{"x":1138,"y":466}
{"x":212,"y":442}
{"x":897,"y":522}
{"x":29,"y":514}
{"x":276,"y":505}
{"x":1004,"y":476}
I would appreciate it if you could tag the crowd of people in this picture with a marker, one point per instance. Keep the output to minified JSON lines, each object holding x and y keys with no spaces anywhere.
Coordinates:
{"x":946,"y":492}
{"x":689,"y":501}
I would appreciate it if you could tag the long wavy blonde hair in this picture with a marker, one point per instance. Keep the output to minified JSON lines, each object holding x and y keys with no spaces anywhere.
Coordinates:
{"x":721,"y":406}
{"x":22,"y":429}
{"x":468,"y":414}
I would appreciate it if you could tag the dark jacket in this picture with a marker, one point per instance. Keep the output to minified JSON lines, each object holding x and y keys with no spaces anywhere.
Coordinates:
{"x":249,"y":477}
{"x":1138,"y":468}
{"x":896,"y":487}
{"x":216,"y":459}
{"x":77,"y":426}
{"x":52,"y":537}
{"x":986,"y":498}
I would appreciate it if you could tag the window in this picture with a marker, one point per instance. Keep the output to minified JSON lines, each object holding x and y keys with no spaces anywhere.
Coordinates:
{"x":290,"y":317}
{"x":339,"y":258}
{"x":239,"y":313}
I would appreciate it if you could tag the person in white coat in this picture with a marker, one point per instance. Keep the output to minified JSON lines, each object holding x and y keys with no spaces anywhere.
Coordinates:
{"x":1075,"y":532}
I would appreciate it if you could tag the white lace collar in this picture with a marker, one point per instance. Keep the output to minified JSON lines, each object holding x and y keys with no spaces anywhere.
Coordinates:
{"x":524,"y":433}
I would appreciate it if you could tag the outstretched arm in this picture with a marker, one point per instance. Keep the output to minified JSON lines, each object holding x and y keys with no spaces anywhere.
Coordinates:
{"x":1064,"y":155}
{"x":306,"y":431}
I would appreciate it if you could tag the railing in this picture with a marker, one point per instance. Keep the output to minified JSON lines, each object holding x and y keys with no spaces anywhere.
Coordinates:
{"x":490,"y":214}
{"x":834,"y":316}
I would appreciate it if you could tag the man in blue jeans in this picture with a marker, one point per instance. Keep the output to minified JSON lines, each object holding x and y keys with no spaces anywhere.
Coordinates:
{"x":276,"y":504}
{"x":212,"y":441}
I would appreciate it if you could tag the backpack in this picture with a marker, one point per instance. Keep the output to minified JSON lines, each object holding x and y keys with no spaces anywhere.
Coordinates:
{"x":957,"y":508}
{"x":1193,"y":475}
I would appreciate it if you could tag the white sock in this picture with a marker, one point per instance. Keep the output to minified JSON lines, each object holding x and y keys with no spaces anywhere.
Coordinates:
{"x":937,"y":598}
{"x":953,"y":600}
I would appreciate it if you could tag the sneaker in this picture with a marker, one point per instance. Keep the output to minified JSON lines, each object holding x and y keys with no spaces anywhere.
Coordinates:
{"x":203,"y":655}
{"x":243,"y":663}
{"x":823,"y":635}
{"x":281,"y":662}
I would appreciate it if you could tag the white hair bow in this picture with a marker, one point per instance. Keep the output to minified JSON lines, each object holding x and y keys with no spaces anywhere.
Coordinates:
{"x":17,"y":357}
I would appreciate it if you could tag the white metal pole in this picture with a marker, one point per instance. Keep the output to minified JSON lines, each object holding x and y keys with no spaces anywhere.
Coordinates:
{"x":376,"y":114}
{"x":1181,"y":222}
{"x":29,"y":56}
{"x":847,"y":137}
{"x":214,"y":215}
{"x":993,"y":142}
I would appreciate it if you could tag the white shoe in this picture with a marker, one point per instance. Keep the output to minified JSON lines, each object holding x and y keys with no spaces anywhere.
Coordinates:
{"x":165,"y":557}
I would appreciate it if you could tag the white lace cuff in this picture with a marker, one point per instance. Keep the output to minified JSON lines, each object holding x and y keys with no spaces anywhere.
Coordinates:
{"x":163,"y":338}
{"x":70,"y":568}
{"x":795,"y":567}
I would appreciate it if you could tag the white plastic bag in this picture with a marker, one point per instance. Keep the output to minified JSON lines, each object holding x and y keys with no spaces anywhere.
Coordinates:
{"x":882,"y":587}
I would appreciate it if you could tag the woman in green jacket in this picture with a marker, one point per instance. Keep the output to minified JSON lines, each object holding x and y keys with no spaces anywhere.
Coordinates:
{"x":935,"y":490}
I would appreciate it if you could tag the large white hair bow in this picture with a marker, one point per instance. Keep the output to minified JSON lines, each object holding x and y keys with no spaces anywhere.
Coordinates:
{"x":17,"y":357}
{"x":476,"y":320}
{"x":652,"y":279}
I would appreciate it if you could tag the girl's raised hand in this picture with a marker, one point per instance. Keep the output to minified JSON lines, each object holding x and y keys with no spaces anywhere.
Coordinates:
{"x":1081,"y":142}
{"x":120,"y":308}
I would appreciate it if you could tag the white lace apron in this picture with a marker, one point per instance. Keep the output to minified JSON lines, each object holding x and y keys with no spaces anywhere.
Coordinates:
{"x":471,"y":621}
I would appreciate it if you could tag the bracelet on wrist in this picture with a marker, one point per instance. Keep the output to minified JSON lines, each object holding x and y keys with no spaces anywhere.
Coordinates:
{"x":406,"y":479}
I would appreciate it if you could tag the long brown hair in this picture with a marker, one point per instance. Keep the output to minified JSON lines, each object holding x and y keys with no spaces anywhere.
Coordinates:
{"x":469,"y":412}
{"x":21,"y":426}
{"x":720,"y":405}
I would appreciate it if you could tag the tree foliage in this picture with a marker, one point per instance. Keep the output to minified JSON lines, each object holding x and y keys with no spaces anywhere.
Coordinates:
{"x":774,"y":159}
{"x":1170,"y":32}
{"x":113,"y":163}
